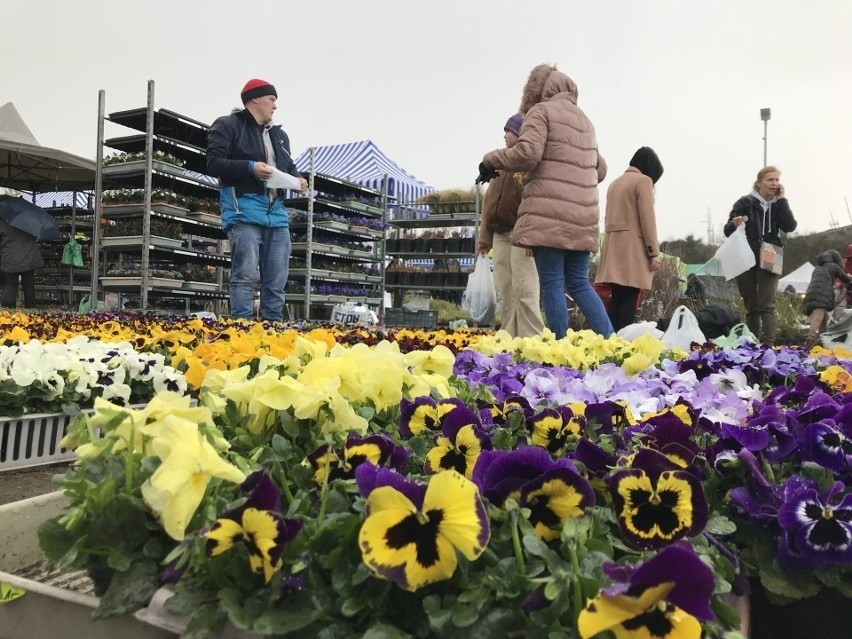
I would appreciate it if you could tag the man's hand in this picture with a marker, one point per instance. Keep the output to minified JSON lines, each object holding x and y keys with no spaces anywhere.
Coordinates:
{"x":303,"y":185}
{"x":655,"y":263}
{"x":262,"y":171}
{"x":483,"y":249}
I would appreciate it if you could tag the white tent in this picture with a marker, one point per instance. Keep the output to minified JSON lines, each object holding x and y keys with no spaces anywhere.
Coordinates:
{"x":25,"y":165}
{"x":798,"y":279}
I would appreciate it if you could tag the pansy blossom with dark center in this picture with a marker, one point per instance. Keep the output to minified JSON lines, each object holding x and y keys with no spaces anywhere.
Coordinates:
{"x":257,"y":525}
{"x":417,"y":415}
{"x":552,"y":490}
{"x":553,"y":428}
{"x":656,"y":502}
{"x":412,"y":533}
{"x":828,"y":444}
{"x":377,"y":449}
{"x":817,"y":525}
{"x":458,"y":447}
{"x":663,"y":598}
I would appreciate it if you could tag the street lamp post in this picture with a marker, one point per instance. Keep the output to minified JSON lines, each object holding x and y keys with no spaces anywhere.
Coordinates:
{"x":764,"y":115}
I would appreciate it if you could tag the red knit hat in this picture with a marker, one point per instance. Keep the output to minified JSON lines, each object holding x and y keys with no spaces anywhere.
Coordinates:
{"x":256,"y":88}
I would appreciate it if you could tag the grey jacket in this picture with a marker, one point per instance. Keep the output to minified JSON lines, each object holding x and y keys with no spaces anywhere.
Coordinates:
{"x":18,"y":250}
{"x":820,"y":293}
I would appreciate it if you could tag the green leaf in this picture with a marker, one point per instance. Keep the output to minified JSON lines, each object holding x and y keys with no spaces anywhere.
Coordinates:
{"x":351,"y":607}
{"x":385,"y":631}
{"x":282,"y":622}
{"x":204,"y":621}
{"x":54,"y":540}
{"x":719,"y":525}
{"x":464,"y":616}
{"x":185,"y":602}
{"x":120,"y":523}
{"x":438,"y":616}
{"x":129,"y":591}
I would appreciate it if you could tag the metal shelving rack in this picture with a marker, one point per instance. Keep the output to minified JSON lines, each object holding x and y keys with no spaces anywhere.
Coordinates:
{"x":326,"y":193}
{"x":186,"y":139}
{"x":411,"y":218}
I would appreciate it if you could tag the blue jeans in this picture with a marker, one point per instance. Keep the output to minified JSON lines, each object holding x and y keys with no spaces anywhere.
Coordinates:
{"x":559,"y":269}
{"x":260,"y":258}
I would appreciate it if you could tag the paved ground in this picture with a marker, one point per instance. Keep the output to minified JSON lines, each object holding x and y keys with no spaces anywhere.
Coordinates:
{"x":22,"y":484}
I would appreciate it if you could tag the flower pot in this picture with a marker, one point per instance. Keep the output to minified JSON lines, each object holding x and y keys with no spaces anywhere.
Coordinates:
{"x":61,"y":605}
{"x":421,"y":245}
{"x":826,"y":615}
{"x":439,"y":245}
{"x":453,"y":245}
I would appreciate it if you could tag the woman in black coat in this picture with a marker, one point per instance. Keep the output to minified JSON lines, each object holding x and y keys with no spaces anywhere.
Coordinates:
{"x":819,"y":298}
{"x":765,"y":213}
{"x":19,"y":258}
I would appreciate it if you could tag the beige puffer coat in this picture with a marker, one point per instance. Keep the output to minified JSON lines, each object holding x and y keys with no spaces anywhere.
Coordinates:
{"x":558,"y":150}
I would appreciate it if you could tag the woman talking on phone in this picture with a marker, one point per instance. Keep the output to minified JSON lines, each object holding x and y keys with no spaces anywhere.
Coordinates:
{"x":765,"y":212}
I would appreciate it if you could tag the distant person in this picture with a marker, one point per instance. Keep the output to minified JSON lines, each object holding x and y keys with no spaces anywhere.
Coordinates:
{"x":820,"y":299}
{"x":696,"y":290}
{"x":558,"y":217}
{"x":515,"y":275}
{"x":630,"y":254}
{"x":242,"y":150}
{"x":19,"y":259}
{"x":765,"y":212}
{"x":847,"y":267}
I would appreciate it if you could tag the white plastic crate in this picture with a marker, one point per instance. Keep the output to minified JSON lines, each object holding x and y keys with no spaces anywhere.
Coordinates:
{"x":33,"y":440}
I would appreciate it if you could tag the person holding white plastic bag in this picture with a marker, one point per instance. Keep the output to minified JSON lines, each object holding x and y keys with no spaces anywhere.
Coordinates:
{"x":515,"y":275}
{"x":765,"y":212}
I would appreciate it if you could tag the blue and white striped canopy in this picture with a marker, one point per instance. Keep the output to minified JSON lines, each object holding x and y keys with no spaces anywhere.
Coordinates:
{"x":61,"y":198}
{"x":364,"y":163}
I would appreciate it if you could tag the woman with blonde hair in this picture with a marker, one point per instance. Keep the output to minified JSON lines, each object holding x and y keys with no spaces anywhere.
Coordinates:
{"x":765,"y":213}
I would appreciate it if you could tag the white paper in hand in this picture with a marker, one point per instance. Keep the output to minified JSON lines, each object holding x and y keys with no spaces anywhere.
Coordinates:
{"x":281,"y":180}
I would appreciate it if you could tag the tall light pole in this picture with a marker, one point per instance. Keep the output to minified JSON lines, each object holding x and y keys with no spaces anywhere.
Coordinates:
{"x":764,"y":115}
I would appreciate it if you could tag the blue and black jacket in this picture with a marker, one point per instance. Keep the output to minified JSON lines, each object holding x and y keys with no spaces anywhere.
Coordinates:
{"x":234,"y":144}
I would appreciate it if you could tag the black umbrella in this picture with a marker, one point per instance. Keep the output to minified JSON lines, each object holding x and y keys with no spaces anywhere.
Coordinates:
{"x":28,"y":217}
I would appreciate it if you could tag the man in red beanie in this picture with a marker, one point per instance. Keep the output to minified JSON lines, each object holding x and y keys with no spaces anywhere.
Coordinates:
{"x":243,"y":151}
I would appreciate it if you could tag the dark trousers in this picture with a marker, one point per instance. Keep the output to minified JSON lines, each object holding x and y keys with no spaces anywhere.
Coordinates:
{"x":10,"y":288}
{"x":757,"y":288}
{"x":622,"y":306}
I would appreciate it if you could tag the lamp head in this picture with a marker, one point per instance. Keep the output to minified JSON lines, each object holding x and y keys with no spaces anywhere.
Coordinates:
{"x":765,"y":114}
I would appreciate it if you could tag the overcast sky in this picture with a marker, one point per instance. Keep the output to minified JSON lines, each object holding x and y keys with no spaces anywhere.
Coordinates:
{"x":432,"y":83}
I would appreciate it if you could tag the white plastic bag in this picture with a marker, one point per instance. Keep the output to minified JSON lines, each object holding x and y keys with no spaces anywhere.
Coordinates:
{"x":735,"y":254}
{"x":353,"y":313}
{"x":632,"y":331}
{"x":480,"y":296}
{"x":683,"y":330}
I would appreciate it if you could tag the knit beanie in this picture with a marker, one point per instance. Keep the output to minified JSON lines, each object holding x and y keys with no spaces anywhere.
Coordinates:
{"x":648,"y":163}
{"x":514,"y":123}
{"x":255,"y":89}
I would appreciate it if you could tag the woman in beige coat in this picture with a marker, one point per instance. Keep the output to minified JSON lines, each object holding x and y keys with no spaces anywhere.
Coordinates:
{"x":558,"y":217}
{"x":630,"y":252}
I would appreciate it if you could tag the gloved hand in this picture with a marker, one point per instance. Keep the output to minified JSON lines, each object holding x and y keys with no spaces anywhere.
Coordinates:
{"x":486,"y":174}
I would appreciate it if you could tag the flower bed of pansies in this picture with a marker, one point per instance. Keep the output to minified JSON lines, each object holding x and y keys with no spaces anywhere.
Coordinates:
{"x":343,"y":487}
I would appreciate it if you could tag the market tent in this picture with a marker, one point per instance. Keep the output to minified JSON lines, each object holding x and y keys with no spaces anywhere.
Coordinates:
{"x":25,"y":165}
{"x":364,"y":163}
{"x":711,"y":267}
{"x":798,"y":279}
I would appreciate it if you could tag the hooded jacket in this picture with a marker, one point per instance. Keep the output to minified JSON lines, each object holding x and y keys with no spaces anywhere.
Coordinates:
{"x":234,"y":144}
{"x":760,"y":227}
{"x":820,"y":293}
{"x":500,"y":206}
{"x":558,"y":151}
